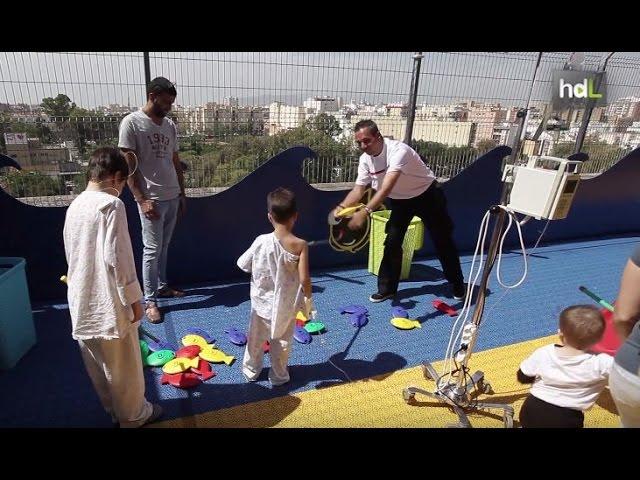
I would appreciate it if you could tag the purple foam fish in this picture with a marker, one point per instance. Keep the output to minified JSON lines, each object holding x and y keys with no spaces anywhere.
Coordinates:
{"x":301,"y":335}
{"x":354,"y":309}
{"x":236,"y":337}
{"x":198,"y":331}
{"x":157,"y":346}
{"x":358,"y":319}
{"x":399,"y":312}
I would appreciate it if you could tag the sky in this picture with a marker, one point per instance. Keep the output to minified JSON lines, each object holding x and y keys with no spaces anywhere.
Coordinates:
{"x":258,"y":78}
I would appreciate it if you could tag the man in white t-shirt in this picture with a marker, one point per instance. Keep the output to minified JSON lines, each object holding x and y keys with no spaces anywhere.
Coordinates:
{"x":396,"y":171}
{"x":157,"y":184}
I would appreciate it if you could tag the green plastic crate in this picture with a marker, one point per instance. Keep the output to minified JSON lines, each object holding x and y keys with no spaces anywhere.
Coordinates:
{"x":413,"y":240}
{"x":17,"y":331}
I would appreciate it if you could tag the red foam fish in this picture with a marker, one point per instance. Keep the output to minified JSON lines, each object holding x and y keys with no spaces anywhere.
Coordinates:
{"x":190,"y":351}
{"x":204,"y":370}
{"x":181,"y":380}
{"x":445,"y":307}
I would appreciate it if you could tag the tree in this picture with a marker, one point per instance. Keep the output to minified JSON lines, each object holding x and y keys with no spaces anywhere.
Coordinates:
{"x":563,"y":149}
{"x":30,"y":184}
{"x":428,"y":149}
{"x":597,"y":150}
{"x":61,"y":106}
{"x":35,"y":129}
{"x":487,"y":144}
{"x":324,"y":123}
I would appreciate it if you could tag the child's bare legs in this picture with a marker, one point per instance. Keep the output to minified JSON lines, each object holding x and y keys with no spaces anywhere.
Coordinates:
{"x":279,"y":353}
{"x":259,"y":329}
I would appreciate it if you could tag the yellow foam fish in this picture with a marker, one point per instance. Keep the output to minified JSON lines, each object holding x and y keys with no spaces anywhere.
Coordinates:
{"x":211,"y":354}
{"x":405,"y":323}
{"x":348,"y":211}
{"x":178,"y":365}
{"x":194,"y":340}
{"x":301,"y":316}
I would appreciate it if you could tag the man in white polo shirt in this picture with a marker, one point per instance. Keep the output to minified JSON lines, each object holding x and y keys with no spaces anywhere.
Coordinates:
{"x":396,"y":171}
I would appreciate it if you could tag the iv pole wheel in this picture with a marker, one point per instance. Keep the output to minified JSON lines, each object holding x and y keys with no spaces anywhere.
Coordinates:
{"x":408,"y":396}
{"x":508,"y":419}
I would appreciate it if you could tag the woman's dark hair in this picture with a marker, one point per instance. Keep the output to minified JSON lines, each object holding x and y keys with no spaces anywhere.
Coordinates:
{"x":106,"y":162}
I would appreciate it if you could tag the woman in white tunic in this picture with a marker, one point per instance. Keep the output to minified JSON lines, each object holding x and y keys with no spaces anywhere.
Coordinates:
{"x":104,"y":293}
{"x":280,"y":286}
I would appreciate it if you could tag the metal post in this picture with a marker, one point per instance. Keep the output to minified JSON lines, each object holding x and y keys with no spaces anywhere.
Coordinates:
{"x":522,"y":116}
{"x":413,"y":95}
{"x":591,"y":103}
{"x":517,"y":140}
{"x":147,"y":70}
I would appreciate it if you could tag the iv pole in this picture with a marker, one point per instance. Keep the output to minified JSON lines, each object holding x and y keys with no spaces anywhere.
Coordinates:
{"x":455,"y":393}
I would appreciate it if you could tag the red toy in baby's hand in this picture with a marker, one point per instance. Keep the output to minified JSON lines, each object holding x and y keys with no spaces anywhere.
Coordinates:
{"x":610,"y":341}
{"x":445,"y":307}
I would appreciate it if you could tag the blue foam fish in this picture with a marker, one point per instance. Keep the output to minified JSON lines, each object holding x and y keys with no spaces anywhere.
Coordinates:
{"x":399,"y":312}
{"x":301,"y":335}
{"x":358,"y":319}
{"x":157,"y":346}
{"x":202,"y":333}
{"x":236,"y":336}
{"x":354,"y":309}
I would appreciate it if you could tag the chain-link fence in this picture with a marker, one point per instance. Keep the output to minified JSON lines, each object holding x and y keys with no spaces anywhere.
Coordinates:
{"x":235,"y":110}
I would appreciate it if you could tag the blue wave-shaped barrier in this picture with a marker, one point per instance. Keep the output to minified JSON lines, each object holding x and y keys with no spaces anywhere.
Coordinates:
{"x":217,"y":229}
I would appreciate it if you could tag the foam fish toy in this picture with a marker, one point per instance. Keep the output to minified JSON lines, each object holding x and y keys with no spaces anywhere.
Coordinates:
{"x":201,"y":333}
{"x":158,"y":346}
{"x":354,"y":309}
{"x":236,"y":336}
{"x":405,"y":323}
{"x":190,"y":351}
{"x":314,"y":327}
{"x":265,"y":346}
{"x":399,"y":312}
{"x":215,"y":355}
{"x":181,"y":380}
{"x":348,"y":211}
{"x":445,"y":307}
{"x":302,"y":318}
{"x":358,"y":319}
{"x":144,"y":351}
{"x":192,"y":339}
{"x":159,"y":358}
{"x":204,"y":370}
{"x":178,"y":365}
{"x":301,"y":335}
